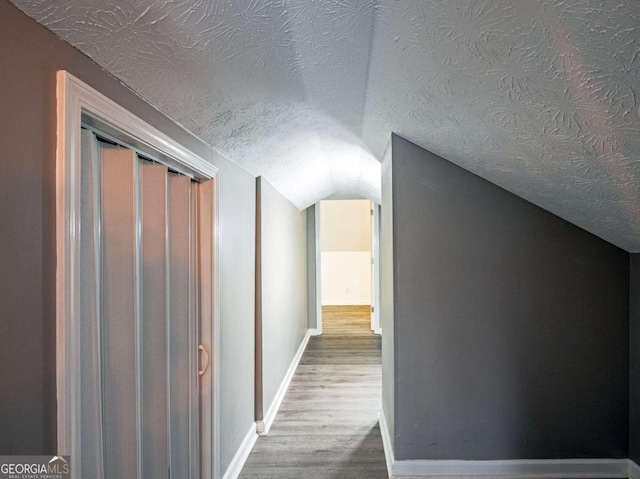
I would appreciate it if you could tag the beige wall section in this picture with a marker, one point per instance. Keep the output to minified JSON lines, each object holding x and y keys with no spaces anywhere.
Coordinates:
{"x":345,"y":225}
{"x":345,"y":239}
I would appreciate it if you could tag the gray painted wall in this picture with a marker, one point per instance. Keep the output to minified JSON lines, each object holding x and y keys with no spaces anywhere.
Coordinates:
{"x":32,"y":55}
{"x":634,"y":372}
{"x":386,"y":291}
{"x":284,"y":286}
{"x":511,"y":324}
{"x":312,"y":311}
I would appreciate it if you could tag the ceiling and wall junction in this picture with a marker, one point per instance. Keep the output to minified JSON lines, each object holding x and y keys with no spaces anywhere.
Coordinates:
{"x":540,"y":97}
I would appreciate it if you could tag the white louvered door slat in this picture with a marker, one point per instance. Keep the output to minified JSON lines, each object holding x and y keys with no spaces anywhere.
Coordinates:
{"x":90,"y":286}
{"x":120,"y":309}
{"x":180,"y":309}
{"x":154,"y":320}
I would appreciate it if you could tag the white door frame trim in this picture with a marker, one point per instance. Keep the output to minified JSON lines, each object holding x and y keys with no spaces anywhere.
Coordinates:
{"x":375,"y":269}
{"x":318,"y":245}
{"x":78,"y":102}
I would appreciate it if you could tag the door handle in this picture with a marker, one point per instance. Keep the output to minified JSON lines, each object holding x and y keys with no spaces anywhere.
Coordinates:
{"x":206,"y":360}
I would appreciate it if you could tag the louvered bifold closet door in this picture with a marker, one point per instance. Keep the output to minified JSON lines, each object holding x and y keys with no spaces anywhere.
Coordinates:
{"x":139,"y":381}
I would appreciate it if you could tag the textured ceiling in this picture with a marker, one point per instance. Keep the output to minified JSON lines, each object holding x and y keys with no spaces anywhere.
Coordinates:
{"x":538,"y":96}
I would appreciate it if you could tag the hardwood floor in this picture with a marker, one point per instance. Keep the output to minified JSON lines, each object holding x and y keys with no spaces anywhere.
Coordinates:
{"x":327,"y":426}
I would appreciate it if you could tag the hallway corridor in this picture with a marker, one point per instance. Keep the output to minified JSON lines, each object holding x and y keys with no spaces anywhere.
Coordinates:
{"x":327,"y":426}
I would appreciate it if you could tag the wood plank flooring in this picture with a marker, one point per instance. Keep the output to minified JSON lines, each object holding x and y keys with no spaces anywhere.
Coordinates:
{"x":327,"y":426}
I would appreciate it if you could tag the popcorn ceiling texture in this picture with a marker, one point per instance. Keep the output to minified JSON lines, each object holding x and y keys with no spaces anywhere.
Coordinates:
{"x":540,"y":97}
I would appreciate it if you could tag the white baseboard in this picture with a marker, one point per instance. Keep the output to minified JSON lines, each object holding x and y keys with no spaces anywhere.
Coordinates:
{"x":634,"y":470}
{"x":508,"y":469}
{"x":237,"y":463}
{"x":514,"y":469}
{"x":387,"y":444}
{"x":264,"y":425}
{"x":315,"y":332}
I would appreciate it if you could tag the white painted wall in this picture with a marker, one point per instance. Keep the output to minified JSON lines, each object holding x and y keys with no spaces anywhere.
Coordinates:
{"x":345,"y":237}
{"x":346,"y":277}
{"x":283,"y":238}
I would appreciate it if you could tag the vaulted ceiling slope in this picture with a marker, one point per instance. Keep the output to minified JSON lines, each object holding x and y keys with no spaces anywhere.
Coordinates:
{"x":541,"y":97}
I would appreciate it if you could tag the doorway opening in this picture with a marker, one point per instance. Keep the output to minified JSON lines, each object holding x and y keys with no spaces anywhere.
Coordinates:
{"x":347,"y":261}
